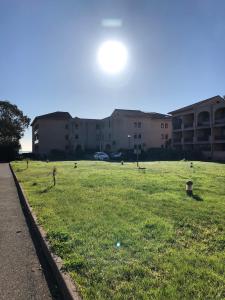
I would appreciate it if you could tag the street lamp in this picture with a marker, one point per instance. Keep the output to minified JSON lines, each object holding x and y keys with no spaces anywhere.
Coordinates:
{"x":136,"y":149}
{"x":129,"y":137}
{"x":137,"y":152}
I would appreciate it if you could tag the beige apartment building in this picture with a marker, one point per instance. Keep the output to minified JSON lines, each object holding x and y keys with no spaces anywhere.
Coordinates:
{"x":50,"y":131}
{"x":201,"y":127}
{"x":124,"y":129}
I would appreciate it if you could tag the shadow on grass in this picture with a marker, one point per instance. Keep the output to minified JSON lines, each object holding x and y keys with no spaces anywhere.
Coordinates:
{"x":197,"y":197}
{"x":47,"y":189}
{"x":20,"y":170}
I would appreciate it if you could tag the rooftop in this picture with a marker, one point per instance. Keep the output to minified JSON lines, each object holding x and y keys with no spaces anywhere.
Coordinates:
{"x":139,"y":113}
{"x":58,"y":115}
{"x":212,"y":99}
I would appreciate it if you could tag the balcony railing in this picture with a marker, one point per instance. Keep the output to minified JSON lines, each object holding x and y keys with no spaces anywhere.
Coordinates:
{"x":177,"y":141}
{"x":177,"y":127}
{"x":220,"y":121}
{"x":188,"y":125}
{"x":204,"y":123}
{"x":219,"y":137}
{"x":188,"y":139}
{"x":203,"y":138}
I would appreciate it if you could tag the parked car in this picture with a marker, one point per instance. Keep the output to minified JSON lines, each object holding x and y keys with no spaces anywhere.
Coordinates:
{"x":101,"y":156}
{"x":116,"y":155}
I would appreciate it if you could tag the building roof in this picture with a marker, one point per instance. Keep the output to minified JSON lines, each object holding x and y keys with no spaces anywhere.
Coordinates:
{"x":86,"y":119}
{"x":58,"y":115}
{"x":209,"y":100}
{"x":139,"y":113}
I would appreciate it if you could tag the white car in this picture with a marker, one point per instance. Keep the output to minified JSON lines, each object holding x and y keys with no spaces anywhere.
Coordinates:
{"x":116,"y":155}
{"x":101,"y":156}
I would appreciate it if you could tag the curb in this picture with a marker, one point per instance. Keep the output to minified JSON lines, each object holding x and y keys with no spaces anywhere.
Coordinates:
{"x":64,"y":281}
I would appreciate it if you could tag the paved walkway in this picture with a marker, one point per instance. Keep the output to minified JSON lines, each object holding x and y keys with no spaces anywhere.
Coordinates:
{"x":21,"y":277}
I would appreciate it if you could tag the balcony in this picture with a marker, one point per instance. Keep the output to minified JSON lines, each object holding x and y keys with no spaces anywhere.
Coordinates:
{"x":220,"y":121}
{"x":177,"y":141}
{"x":188,"y":125}
{"x":177,"y":123}
{"x":205,"y":123}
{"x":203,"y":138}
{"x":177,"y":127}
{"x":203,"y":119}
{"x":219,"y":138}
{"x":189,"y":139}
{"x":219,"y":116}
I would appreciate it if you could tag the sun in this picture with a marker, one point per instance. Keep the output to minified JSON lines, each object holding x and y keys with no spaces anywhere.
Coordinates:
{"x":112,"y":56}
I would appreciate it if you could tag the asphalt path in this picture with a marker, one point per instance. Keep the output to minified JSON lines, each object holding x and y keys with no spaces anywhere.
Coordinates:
{"x":21,"y":275}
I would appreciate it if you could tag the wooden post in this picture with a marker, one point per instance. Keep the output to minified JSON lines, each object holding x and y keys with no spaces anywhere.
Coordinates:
{"x":53,"y":175}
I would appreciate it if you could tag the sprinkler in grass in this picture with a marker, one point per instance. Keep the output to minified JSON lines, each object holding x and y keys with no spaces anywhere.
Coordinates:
{"x":53,"y":175}
{"x":27,"y":163}
{"x":118,"y":245}
{"x":122,"y":162}
{"x":47,"y":161}
{"x":75,"y":165}
{"x":191,"y":165}
{"x":189,"y":188}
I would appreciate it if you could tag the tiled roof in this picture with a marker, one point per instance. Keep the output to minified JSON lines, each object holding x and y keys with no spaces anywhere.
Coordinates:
{"x":198,"y":103}
{"x":58,"y":115}
{"x":139,"y":113}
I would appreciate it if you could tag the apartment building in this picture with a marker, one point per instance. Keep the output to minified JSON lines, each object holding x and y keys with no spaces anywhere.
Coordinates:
{"x":124,"y":129}
{"x":50,"y":131}
{"x":134,"y":129}
{"x":201,"y":127}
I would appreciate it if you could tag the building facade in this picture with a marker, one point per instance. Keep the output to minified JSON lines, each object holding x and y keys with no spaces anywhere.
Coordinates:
{"x":124,"y":129}
{"x":50,"y":131}
{"x":201,"y":127}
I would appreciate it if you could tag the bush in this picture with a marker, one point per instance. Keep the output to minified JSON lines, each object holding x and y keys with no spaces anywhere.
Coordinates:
{"x":9,"y":152}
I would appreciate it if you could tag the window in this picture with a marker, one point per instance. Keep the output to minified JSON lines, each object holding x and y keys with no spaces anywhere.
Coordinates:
{"x":76,"y":125}
{"x":162,"y":125}
{"x":135,"y":124}
{"x":166,"y":136}
{"x":66,"y":137}
{"x":139,"y":124}
{"x":135,"y":146}
{"x":135,"y":136}
{"x":76,"y":136}
{"x":139,"y":136}
{"x":162,"y":136}
{"x":139,"y":146}
{"x":166,"y":125}
{"x":114,"y":143}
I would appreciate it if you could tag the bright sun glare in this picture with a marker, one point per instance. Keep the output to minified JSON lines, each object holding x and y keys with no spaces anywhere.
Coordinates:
{"x":112,"y":56}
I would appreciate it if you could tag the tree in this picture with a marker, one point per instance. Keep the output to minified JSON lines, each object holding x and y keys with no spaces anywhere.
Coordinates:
{"x":12,"y":126}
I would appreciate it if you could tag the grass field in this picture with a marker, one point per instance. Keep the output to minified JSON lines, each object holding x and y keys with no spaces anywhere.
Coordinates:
{"x":126,"y":234}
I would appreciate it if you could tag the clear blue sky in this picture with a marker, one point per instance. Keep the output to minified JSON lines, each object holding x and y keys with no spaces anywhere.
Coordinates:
{"x":48,"y":55}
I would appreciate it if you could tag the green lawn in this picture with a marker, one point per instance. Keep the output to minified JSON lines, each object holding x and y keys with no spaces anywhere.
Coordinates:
{"x":126,"y":234}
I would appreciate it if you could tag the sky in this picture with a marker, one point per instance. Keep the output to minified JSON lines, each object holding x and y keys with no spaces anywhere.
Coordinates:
{"x":48,"y":51}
